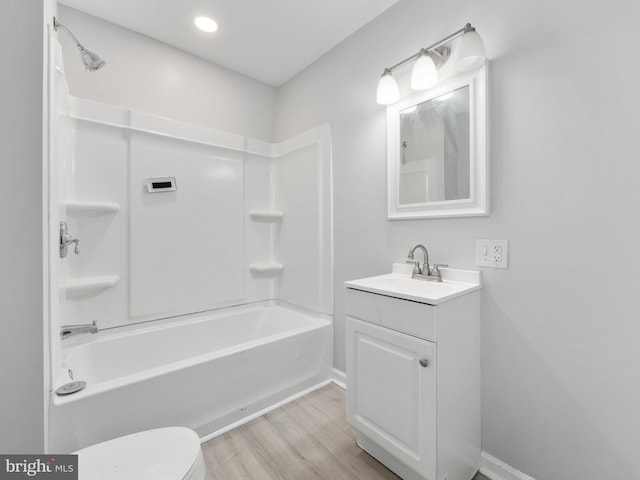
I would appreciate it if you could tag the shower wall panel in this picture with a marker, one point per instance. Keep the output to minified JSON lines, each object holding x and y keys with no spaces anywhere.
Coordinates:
{"x":96,"y":170}
{"x":186,"y":246}
{"x":304,"y":243}
{"x":259,"y":235}
{"x":300,"y":238}
{"x":146,"y":256}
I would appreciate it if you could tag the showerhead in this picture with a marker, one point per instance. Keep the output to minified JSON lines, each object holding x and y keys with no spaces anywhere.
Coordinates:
{"x":92,"y":62}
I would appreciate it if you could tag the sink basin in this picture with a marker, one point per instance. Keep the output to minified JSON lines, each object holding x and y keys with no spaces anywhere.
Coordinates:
{"x":454,"y":284}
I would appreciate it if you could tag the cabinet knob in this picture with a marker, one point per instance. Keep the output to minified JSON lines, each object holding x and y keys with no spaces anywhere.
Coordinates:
{"x":424,"y":362}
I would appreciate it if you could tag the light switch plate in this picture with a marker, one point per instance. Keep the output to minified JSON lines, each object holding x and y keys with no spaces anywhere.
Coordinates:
{"x":492,"y":253}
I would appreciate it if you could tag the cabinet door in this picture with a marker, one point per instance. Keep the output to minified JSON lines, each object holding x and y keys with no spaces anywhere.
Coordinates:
{"x":390,"y":395}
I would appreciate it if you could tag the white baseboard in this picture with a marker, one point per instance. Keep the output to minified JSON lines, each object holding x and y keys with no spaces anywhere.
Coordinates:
{"x":496,"y":469}
{"x":339,"y":378}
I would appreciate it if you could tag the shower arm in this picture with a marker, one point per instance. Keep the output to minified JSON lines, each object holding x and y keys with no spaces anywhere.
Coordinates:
{"x":57,"y":25}
{"x":92,"y":62}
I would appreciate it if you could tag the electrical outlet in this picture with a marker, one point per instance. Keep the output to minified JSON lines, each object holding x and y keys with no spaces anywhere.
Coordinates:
{"x":492,"y":253}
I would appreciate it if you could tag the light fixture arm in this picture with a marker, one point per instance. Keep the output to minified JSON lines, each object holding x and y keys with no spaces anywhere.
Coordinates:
{"x":442,"y":54}
{"x":424,"y":74}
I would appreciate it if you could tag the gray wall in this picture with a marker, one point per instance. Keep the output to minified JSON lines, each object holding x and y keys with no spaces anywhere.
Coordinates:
{"x":149,"y":76}
{"x":561,"y":326}
{"x":21,"y":303}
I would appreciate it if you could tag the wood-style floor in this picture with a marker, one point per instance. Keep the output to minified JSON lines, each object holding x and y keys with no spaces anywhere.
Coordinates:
{"x":308,"y":438}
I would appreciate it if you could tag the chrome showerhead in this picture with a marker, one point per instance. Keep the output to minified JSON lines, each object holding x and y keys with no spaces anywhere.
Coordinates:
{"x":92,"y":62}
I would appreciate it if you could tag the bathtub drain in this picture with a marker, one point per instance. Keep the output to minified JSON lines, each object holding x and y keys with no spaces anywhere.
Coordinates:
{"x":71,"y":387}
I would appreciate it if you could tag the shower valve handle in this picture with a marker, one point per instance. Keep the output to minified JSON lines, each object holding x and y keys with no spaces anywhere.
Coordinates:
{"x":66,"y":239}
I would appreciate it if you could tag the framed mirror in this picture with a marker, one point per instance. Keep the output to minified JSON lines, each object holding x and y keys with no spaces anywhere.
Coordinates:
{"x":437,"y":150}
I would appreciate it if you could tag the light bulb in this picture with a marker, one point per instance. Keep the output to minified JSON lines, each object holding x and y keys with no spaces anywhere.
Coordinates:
{"x":206,"y":24}
{"x":469,"y":52}
{"x":424,"y":74}
{"x":388,"y":91}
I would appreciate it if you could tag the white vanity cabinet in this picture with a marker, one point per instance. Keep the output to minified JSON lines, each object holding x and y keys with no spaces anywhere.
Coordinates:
{"x":413,"y":383}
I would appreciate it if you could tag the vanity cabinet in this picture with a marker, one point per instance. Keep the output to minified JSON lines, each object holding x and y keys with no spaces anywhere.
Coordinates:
{"x":413,"y":383}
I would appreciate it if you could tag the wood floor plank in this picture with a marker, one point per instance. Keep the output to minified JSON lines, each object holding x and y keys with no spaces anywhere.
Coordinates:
{"x":307,"y":439}
{"x":318,"y":458}
{"x":275,"y":453}
{"x":330,"y":403}
{"x":225,"y":458}
{"x":340,"y":442}
{"x":232,"y":456}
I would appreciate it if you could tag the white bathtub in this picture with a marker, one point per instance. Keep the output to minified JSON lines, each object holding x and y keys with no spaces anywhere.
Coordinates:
{"x":204,"y":372}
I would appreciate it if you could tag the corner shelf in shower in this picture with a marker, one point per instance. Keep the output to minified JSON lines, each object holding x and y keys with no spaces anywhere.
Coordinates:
{"x":266,"y":215}
{"x":266,"y":269}
{"x":75,"y":207}
{"x":84,"y":285}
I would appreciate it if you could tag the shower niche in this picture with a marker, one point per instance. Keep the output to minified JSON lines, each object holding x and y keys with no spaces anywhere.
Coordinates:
{"x":243,"y":221}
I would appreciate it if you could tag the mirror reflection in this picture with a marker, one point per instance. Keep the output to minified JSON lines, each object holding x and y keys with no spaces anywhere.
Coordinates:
{"x":435,"y":157}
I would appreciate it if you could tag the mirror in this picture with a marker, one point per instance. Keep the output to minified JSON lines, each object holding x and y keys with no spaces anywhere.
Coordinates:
{"x":437,"y":162}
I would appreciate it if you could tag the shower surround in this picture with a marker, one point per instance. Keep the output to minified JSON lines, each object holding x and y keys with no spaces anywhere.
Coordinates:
{"x":245,"y":229}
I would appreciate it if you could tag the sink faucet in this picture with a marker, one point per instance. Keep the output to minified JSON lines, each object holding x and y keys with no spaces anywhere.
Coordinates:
{"x":416,"y":268}
{"x":424,"y":273}
{"x":69,"y":330}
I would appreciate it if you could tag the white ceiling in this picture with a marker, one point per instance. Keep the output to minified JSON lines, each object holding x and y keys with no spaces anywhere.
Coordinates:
{"x":269,"y":40}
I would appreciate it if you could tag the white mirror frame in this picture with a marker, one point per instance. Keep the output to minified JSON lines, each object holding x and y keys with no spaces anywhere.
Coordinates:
{"x":478,"y":204}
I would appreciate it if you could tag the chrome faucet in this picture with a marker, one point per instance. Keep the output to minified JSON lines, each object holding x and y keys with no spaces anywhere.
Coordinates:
{"x":417,"y":270}
{"x":70,"y":330}
{"x":424,"y":272}
{"x":66,"y":239}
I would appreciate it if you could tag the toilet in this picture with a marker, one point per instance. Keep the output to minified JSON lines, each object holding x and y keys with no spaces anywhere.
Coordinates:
{"x":171,"y":453}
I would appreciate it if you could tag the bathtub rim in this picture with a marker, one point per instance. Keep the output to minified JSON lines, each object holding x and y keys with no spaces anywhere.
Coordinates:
{"x":146,"y":325}
{"x":319,"y":320}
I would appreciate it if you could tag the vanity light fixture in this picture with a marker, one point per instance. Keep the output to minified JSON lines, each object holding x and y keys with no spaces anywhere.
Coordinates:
{"x":206,"y":24}
{"x":468,"y":55}
{"x":424,"y":73}
{"x":387,"y":89}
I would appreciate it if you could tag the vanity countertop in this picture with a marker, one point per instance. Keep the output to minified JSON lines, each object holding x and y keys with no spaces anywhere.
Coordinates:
{"x":399,"y":284}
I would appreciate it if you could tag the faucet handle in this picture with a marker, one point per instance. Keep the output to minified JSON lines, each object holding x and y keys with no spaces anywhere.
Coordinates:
{"x":66,"y":239}
{"x":436,"y":268}
{"x":416,"y":267}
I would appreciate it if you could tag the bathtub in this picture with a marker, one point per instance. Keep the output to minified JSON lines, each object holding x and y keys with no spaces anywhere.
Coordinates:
{"x":205,"y":372}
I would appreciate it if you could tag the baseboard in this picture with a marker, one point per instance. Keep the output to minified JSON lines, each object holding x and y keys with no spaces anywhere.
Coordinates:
{"x":339,"y":378}
{"x":496,"y":469}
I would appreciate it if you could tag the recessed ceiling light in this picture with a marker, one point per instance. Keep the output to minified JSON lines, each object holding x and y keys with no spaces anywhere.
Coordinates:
{"x":206,"y":24}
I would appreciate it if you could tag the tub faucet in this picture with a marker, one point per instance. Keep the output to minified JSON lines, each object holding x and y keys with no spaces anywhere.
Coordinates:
{"x":70,"y":330}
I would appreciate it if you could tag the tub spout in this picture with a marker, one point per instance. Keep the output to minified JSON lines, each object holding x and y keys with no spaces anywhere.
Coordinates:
{"x":70,"y":330}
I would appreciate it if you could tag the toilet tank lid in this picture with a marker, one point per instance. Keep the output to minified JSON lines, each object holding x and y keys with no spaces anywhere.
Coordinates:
{"x":161,"y":454}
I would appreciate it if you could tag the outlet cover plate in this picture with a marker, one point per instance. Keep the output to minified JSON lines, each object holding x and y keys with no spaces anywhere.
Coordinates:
{"x":492,"y":253}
